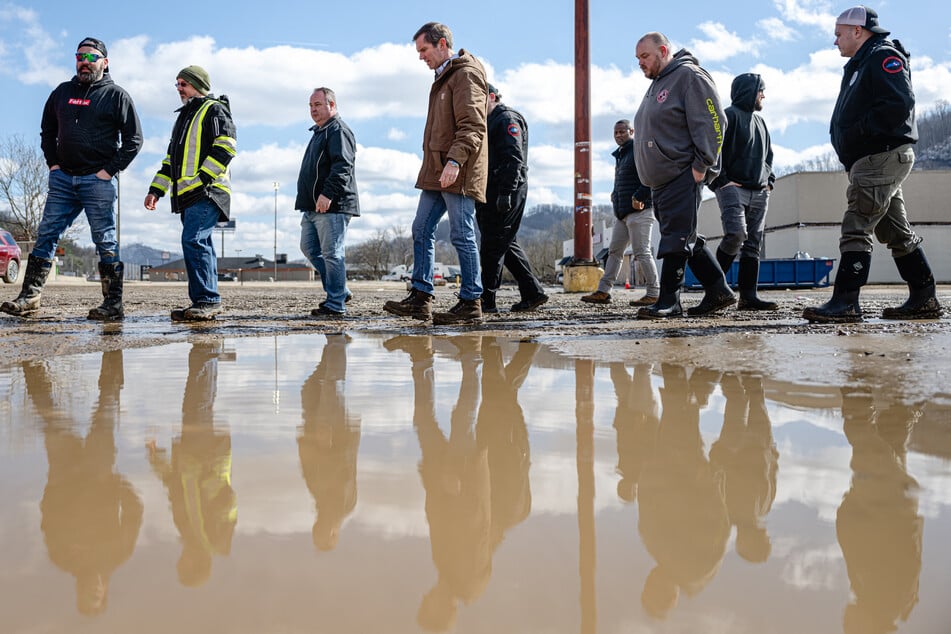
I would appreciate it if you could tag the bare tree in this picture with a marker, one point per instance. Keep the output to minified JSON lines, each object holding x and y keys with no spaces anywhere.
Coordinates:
{"x":24,"y":184}
{"x":24,"y":178}
{"x":545,"y":250}
{"x":374,"y":253}
{"x":401,"y":244}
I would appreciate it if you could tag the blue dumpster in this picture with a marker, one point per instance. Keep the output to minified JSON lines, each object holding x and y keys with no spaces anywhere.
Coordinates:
{"x":780,"y":273}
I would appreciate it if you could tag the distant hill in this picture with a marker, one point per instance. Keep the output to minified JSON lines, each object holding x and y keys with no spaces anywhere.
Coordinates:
{"x":139,"y":254}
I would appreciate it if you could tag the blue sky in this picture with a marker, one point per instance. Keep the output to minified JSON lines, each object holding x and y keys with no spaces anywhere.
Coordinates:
{"x":268,"y":56}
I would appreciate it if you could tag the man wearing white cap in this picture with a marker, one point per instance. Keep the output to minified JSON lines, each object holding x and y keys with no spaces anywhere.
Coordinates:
{"x":873,"y":130}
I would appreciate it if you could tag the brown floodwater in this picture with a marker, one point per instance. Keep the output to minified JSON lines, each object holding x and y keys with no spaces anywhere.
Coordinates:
{"x":335,"y":483}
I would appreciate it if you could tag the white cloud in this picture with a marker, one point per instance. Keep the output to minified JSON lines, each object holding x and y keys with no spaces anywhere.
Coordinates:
{"x":815,"y":13}
{"x":777,"y":30}
{"x":787,"y":157}
{"x":722,"y":44}
{"x":395,"y":134}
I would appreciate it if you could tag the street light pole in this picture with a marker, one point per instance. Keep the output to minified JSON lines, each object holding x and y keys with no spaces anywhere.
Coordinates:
{"x":276,"y":187}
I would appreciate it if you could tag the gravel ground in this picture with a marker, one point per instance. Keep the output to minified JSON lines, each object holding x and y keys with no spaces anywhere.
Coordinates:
{"x":265,"y":309}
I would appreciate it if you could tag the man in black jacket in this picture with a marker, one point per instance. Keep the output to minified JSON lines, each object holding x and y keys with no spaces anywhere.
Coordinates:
{"x":327,"y":199}
{"x":743,"y":187}
{"x":195,"y":173}
{"x":89,"y":133}
{"x":873,"y":130}
{"x":500,"y":215}
{"x":633,"y":208}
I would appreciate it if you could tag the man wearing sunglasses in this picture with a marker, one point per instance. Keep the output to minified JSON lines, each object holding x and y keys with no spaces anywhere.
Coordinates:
{"x":195,"y":175}
{"x":89,"y":133}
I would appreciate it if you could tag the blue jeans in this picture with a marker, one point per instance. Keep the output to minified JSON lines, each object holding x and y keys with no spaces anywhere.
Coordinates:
{"x":432,"y":206}
{"x":201,"y":264}
{"x":70,"y":195}
{"x":743,"y":215}
{"x":322,"y":239}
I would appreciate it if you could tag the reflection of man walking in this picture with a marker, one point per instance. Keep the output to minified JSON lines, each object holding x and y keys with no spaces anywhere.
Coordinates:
{"x":198,"y":475}
{"x":328,"y":442}
{"x":91,"y":515}
{"x":878,"y":524}
{"x":683,"y":516}
{"x":746,"y":456}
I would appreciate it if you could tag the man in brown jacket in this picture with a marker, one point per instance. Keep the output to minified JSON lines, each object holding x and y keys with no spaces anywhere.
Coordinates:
{"x":452,"y":178}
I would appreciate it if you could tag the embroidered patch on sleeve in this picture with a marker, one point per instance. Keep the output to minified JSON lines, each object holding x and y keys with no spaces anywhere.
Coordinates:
{"x":892,"y":64}
{"x":513,"y":130}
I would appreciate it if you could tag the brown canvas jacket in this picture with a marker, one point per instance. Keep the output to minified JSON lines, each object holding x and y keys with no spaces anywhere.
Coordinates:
{"x":455,"y":129}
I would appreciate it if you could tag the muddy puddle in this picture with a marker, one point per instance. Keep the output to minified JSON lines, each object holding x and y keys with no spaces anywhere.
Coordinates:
{"x":368,"y":483}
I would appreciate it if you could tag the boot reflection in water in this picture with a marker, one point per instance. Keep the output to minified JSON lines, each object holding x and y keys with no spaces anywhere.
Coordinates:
{"x":746,"y":456}
{"x":198,"y":475}
{"x":90,"y":515}
{"x":878,"y":524}
{"x":635,"y":422}
{"x":683,"y":519}
{"x":328,"y":443}
{"x":455,"y":475}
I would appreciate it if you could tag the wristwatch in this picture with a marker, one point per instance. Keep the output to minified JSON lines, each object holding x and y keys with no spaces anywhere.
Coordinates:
{"x":452,"y":162}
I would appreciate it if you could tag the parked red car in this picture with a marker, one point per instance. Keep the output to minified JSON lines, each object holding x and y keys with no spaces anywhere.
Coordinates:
{"x":9,"y":257}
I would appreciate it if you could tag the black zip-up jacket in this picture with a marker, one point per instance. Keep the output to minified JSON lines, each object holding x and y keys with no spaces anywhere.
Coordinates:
{"x":203,"y":143}
{"x":82,"y":126}
{"x":627,"y":184}
{"x":747,"y":154}
{"x":507,"y":134}
{"x":875,"y":111}
{"x":327,"y":169}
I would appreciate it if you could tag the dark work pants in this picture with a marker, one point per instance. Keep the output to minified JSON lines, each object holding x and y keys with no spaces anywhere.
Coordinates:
{"x":500,"y":247}
{"x":676,"y":205}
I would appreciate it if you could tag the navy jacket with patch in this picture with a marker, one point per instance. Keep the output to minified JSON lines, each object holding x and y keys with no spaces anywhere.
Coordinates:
{"x":875,"y":111}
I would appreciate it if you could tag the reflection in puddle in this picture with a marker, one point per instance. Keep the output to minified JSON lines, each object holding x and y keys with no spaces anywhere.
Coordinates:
{"x":466,"y":484}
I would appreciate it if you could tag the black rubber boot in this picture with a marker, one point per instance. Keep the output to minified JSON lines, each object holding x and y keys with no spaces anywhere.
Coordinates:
{"x":844,"y":306}
{"x":28,"y":301}
{"x":671,"y":281}
{"x":725,"y":260}
{"x":921,"y":303}
{"x":110,"y":274}
{"x":747,"y":279}
{"x":716,"y":293}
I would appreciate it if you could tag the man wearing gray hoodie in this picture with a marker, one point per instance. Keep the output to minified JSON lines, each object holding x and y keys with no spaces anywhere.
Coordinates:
{"x":678,"y":132}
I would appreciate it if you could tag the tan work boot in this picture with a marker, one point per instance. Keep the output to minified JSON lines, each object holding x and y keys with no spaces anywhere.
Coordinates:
{"x":464,"y":312}
{"x":597,"y":297}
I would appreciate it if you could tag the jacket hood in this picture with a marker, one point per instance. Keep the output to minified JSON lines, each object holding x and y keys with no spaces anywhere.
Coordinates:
{"x":681,"y":57}
{"x":745,"y":89}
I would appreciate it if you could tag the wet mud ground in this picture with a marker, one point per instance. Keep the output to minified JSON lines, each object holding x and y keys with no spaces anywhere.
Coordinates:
{"x":511,"y":476}
{"x":777,"y":343}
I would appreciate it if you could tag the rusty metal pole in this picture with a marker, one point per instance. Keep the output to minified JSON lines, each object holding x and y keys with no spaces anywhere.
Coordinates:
{"x":584,"y":457}
{"x":582,"y":200}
